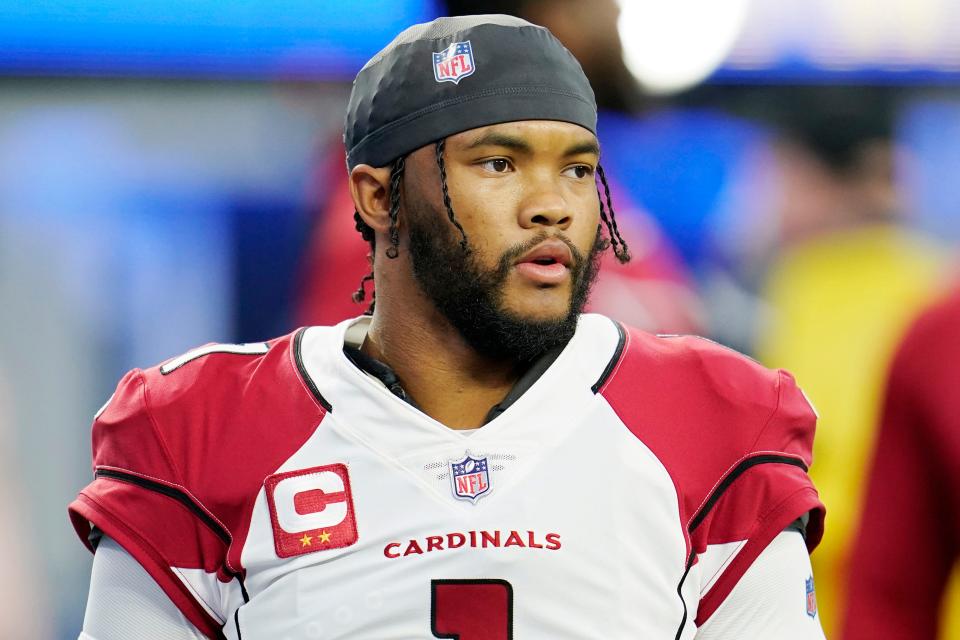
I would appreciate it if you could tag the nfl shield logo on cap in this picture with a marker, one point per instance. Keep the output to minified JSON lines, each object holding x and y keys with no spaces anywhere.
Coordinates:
{"x":470,"y":478}
{"x":453,"y":63}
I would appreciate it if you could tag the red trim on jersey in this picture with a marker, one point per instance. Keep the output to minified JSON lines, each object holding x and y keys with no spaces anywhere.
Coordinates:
{"x":767,"y":529}
{"x":85,"y":510}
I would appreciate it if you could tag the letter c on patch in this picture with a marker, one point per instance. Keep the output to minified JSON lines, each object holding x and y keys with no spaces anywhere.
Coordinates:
{"x":309,"y":502}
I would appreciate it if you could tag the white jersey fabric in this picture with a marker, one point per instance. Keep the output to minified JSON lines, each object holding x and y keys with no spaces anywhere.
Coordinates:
{"x":276,"y":491}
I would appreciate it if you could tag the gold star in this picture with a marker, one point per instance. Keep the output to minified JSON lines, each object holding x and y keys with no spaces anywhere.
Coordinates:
{"x":305,"y":540}
{"x":324,"y":537}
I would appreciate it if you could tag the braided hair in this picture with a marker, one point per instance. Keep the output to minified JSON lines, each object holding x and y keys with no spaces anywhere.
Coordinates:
{"x":607,"y":217}
{"x":446,"y":195}
{"x":367,"y":233}
{"x":620,"y":248}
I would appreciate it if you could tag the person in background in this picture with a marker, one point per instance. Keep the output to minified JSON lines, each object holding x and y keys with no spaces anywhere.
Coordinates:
{"x":847,"y":280}
{"x":654,"y":291}
{"x":911,"y":517}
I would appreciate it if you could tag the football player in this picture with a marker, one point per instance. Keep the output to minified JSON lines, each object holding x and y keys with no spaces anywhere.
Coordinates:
{"x":474,"y":458}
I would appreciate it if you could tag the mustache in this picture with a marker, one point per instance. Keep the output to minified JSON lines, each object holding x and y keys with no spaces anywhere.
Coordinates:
{"x":509,"y":257}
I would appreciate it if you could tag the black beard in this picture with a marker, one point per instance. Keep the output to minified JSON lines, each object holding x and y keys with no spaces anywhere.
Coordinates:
{"x":471,"y":297}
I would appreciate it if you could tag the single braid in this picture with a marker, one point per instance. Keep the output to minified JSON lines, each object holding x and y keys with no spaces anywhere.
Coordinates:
{"x":620,"y":249}
{"x":361,"y":293}
{"x":446,"y":196}
{"x":605,"y":220}
{"x":396,"y":177}
{"x":366,"y":232}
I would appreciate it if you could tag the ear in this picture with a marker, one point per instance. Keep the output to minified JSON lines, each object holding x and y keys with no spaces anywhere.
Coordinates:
{"x":370,"y":188}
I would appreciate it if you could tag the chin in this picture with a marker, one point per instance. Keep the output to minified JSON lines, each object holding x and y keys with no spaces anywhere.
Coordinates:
{"x":535,"y":307}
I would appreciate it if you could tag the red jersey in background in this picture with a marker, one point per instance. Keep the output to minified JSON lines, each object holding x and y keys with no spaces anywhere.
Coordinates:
{"x":910,"y":531}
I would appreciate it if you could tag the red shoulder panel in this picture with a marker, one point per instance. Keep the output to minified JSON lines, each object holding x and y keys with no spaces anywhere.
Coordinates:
{"x":231,"y":420}
{"x":735,"y":437}
{"x":180,"y":457}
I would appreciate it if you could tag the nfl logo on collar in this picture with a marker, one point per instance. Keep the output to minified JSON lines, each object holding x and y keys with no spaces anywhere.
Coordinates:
{"x":453,"y":63}
{"x":470,"y":478}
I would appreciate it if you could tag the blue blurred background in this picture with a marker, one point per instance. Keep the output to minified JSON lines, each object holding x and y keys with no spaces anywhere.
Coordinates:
{"x":171,"y":174}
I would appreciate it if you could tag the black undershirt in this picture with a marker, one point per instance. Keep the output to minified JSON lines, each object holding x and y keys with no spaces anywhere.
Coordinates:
{"x":385,"y":374}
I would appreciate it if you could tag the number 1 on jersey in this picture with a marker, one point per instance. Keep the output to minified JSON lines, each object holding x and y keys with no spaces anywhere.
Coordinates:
{"x":471,"y":609}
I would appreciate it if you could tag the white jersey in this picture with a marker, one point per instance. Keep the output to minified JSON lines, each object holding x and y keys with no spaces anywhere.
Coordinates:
{"x":276,"y":491}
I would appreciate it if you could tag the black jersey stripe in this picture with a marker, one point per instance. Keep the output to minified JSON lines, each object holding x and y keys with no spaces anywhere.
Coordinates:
{"x":236,"y":622}
{"x":731,"y":478}
{"x":617,"y":354}
{"x":683,"y":578}
{"x":183,"y":498}
{"x":171,"y":492}
{"x":302,"y":369}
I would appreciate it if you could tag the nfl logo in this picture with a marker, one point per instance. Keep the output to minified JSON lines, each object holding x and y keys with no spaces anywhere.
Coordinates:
{"x":811,"y":598}
{"x":470,"y":478}
{"x":453,"y":63}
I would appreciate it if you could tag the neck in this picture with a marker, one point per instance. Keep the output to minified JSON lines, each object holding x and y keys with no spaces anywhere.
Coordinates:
{"x":447,"y":378}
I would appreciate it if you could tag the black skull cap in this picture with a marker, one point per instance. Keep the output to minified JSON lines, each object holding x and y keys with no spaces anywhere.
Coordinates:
{"x":454,"y":74}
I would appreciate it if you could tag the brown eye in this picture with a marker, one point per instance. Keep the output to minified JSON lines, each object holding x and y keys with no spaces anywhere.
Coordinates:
{"x":497,"y":165}
{"x":580,"y":171}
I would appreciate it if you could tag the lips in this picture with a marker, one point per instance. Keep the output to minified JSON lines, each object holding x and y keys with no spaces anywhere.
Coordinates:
{"x":546,"y":264}
{"x":548,"y":252}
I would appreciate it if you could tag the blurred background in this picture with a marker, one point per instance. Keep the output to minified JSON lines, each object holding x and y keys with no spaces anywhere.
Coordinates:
{"x":787,"y":173}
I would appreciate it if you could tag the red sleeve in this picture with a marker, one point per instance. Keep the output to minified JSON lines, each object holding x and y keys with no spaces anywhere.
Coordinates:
{"x":907,"y":542}
{"x":735,"y":437}
{"x":138,"y":498}
{"x":180,"y":455}
{"x":763,"y":493}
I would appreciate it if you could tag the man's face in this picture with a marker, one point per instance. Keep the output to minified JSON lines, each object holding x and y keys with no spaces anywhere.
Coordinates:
{"x":526,"y":197}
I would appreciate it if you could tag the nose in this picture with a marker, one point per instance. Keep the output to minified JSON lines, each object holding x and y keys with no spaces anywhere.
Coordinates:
{"x":545,"y":207}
